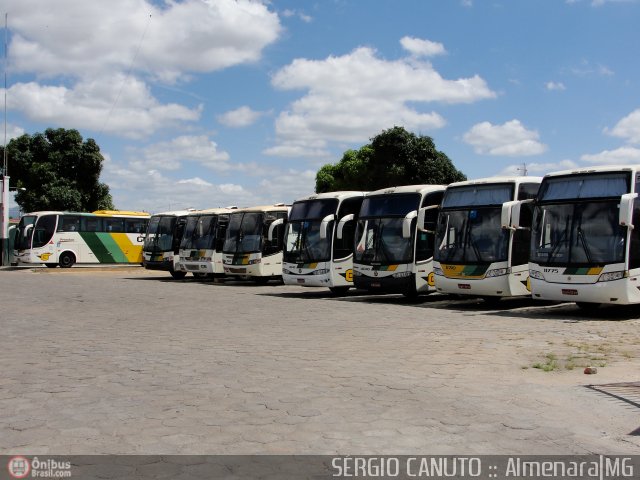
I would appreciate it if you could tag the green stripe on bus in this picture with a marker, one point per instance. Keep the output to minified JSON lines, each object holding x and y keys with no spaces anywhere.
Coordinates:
{"x":117,"y":254}
{"x":97,"y":247}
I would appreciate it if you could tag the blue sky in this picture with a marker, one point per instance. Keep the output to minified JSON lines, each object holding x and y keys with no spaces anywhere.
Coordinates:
{"x":205,"y":103}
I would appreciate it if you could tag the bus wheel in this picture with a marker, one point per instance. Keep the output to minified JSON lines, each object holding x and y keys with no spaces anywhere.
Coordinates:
{"x":339,"y":291}
{"x":51,"y":265}
{"x":200,"y":276}
{"x":177,"y":275}
{"x":67,"y":259}
{"x":587,"y":305}
{"x":411,"y":293}
{"x":491,"y":301}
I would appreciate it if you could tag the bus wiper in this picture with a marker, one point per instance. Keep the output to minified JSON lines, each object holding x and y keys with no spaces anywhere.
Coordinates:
{"x":469,"y":241}
{"x":556,"y":245}
{"x":381,"y":243}
{"x":583,"y":240}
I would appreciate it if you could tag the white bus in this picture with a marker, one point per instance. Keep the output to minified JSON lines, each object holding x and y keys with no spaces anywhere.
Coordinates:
{"x":477,"y":253}
{"x":253,"y":242}
{"x":584,"y":246}
{"x":394,"y":240}
{"x":201,"y":245}
{"x":67,"y":238}
{"x":162,"y":242}
{"x":316,"y":252}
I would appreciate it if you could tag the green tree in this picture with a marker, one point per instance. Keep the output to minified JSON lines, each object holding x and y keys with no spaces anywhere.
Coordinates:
{"x":394,"y":157}
{"x":59,"y":171}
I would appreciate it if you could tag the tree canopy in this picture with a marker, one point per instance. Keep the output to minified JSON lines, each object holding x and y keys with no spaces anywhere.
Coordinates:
{"x":59,"y":171}
{"x":394,"y":157}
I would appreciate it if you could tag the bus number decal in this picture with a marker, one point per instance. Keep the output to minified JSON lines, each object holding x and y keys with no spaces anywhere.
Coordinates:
{"x":348,"y":275}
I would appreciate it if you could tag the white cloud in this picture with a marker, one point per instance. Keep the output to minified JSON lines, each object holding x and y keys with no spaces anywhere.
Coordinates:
{"x":113,"y":104}
{"x":538,"y":169}
{"x":467,"y":3}
{"x":511,"y":139}
{"x":240,"y":117}
{"x":619,"y":156}
{"x":80,"y":57}
{"x":13,"y":131}
{"x":288,"y":13}
{"x":187,"y":148}
{"x":555,"y":86}
{"x":354,"y":96}
{"x":422,"y":48}
{"x":628,"y":127}
{"x":165,"y":40}
{"x":197,"y":181}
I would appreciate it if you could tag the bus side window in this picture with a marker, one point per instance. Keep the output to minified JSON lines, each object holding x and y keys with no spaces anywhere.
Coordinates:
{"x":134,"y":225}
{"x":113,"y":225}
{"x":67,"y":223}
{"x":91,"y":224}
{"x":342,"y":248}
{"x":528,"y":191}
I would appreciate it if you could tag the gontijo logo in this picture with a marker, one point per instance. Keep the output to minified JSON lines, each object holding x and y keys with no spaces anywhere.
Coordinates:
{"x":19,"y":467}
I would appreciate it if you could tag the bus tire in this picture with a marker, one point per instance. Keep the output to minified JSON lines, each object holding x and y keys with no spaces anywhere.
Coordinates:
{"x":67,"y":259}
{"x":339,"y":291}
{"x":51,"y":265}
{"x":587,"y":305}
{"x":177,"y":275}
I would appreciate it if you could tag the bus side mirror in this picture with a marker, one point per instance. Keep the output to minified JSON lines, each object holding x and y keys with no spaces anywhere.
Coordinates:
{"x":625,"y":216}
{"x":422,"y":215}
{"x":273,"y":226}
{"x":324,"y":225}
{"x":506,"y":214}
{"x":341,"y":224}
{"x":406,"y":223}
{"x":27,"y":229}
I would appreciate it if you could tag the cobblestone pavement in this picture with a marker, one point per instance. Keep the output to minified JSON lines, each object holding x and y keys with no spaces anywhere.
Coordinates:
{"x":98,"y":361}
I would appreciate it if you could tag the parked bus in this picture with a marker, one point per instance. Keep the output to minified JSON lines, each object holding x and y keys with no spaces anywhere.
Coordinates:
{"x":67,"y":238}
{"x":584,"y":246}
{"x":394,"y":240}
{"x":316,"y":253}
{"x":253,"y":242}
{"x":201,"y":245}
{"x":476,"y":252}
{"x":162,"y":242}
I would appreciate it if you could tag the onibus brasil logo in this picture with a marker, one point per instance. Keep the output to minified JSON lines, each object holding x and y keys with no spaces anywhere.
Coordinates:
{"x":21,"y":467}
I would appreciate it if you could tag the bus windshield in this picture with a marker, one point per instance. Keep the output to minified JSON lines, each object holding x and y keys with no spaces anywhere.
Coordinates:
{"x":23,"y":238}
{"x":199,"y":232}
{"x":304,"y":245}
{"x":471,"y":236}
{"x":159,"y":236}
{"x":380,"y":241}
{"x":244,"y":233}
{"x":578,"y":233}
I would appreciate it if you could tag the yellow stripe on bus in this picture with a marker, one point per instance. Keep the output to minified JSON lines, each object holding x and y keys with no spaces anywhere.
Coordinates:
{"x":131,"y":251}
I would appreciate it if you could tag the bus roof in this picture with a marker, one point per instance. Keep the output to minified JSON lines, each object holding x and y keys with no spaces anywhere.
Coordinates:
{"x":341,"y":195}
{"x":488,"y":180}
{"x":278,"y":207}
{"x":212,"y":211}
{"x":97,"y":213}
{"x":596,"y":169}
{"x":121,"y":213}
{"x":407,"y":189}
{"x":175,"y":213}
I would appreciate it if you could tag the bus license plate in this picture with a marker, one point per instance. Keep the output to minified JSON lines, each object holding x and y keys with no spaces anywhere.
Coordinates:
{"x":301,"y":280}
{"x":464,"y":286}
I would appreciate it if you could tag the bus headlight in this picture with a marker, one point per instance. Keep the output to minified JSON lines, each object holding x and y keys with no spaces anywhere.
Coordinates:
{"x":255,"y":261}
{"x":497,"y":272}
{"x":536,"y":274}
{"x":322,"y":271}
{"x":286,"y":271}
{"x":608,"y":277}
{"x":401,"y":274}
{"x":438,"y":271}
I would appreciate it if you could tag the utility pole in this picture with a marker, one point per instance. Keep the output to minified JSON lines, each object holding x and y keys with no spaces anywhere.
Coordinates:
{"x":4,"y":207}
{"x":523,"y":169}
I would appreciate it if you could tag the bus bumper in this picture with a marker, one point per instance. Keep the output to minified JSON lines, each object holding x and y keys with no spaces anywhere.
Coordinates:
{"x":387,"y":284}
{"x":618,"y":292}
{"x":510,"y":285}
